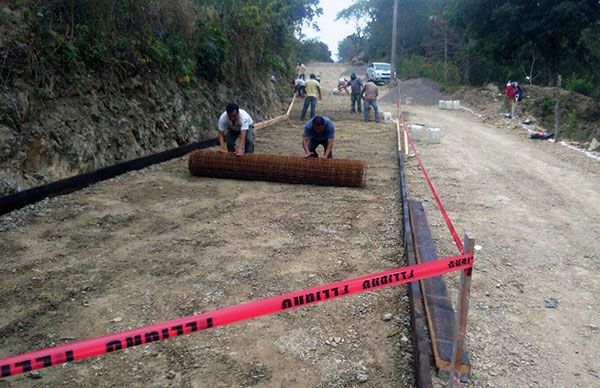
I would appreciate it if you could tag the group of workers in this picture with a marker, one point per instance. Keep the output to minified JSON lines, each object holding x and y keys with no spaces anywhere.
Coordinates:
{"x":236,"y":123}
{"x":311,"y":91}
{"x":369,"y":92}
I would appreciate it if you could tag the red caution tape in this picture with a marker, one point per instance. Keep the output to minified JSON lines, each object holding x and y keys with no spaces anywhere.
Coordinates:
{"x":96,"y":346}
{"x":435,"y":193}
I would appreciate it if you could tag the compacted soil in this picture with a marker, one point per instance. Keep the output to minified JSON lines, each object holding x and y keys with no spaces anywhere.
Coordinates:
{"x":159,"y":244}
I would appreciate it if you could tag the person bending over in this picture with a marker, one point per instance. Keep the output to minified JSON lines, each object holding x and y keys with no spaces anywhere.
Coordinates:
{"x":318,"y":131}
{"x":234,"y":123}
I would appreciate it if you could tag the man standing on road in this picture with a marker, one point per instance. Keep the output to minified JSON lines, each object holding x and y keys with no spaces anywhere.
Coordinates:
{"x":318,"y":131}
{"x":238,"y":123}
{"x":355,"y":88}
{"x":300,"y":70}
{"x":370,"y":93}
{"x":509,"y":93}
{"x":312,"y":90}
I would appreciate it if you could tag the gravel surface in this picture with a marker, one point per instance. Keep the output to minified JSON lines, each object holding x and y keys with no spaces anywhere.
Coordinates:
{"x":159,"y":244}
{"x":534,"y":208}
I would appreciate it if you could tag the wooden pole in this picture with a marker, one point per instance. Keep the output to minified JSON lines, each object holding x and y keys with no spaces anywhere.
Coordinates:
{"x":400,"y":136}
{"x":460,"y":330}
{"x":394,"y":28}
{"x":405,"y":143}
{"x":557,"y":108}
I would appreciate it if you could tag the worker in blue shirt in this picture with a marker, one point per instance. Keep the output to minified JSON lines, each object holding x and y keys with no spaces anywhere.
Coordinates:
{"x":318,"y":131}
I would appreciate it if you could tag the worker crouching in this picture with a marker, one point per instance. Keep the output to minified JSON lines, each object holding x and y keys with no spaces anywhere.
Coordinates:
{"x":318,"y":131}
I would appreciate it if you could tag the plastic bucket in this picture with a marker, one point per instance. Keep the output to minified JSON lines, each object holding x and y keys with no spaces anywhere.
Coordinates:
{"x":434,"y":135}
{"x":441,"y":104}
{"x":415,"y":131}
{"x":456,"y":104}
{"x":387,"y":117}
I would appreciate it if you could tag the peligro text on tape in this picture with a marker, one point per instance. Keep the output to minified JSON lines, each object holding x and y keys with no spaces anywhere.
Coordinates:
{"x":109,"y":343}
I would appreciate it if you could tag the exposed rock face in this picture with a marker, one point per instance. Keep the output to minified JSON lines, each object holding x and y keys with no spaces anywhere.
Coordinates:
{"x":88,"y":123}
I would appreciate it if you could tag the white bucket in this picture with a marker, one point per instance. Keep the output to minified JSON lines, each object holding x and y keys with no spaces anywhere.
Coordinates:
{"x":434,"y":135}
{"x":415,"y":131}
{"x":408,"y":101}
{"x":456,"y":104}
{"x":441,"y":104}
{"x":387,"y":117}
{"x":448,"y":104}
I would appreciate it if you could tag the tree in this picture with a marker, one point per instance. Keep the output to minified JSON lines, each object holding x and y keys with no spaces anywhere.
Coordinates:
{"x":313,"y":49}
{"x":544,"y":34}
{"x":351,"y":48}
{"x":376,"y":36}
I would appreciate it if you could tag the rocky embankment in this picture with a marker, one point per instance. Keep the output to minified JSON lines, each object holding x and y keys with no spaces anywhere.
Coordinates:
{"x":89,"y":123}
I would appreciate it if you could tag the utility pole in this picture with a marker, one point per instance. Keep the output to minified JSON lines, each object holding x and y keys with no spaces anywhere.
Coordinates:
{"x":445,"y":51}
{"x":394,"y":24}
{"x":557,"y":108}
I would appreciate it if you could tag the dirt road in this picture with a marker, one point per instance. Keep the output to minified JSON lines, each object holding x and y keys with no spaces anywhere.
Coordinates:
{"x":534,"y":207}
{"x":158,"y":244}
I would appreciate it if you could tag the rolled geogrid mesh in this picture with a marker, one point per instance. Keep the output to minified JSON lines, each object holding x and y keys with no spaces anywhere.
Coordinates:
{"x":279,"y":168}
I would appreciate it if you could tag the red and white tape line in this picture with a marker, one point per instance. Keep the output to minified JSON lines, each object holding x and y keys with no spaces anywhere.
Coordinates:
{"x":25,"y":362}
{"x":453,"y":232}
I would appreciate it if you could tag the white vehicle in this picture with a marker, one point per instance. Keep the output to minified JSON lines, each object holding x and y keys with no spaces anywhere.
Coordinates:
{"x":379,"y":72}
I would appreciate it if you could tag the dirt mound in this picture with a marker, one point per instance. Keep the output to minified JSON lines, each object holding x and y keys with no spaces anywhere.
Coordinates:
{"x":417,"y":91}
{"x":486,"y":102}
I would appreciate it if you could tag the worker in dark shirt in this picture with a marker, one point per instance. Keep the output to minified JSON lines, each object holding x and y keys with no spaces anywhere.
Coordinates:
{"x":356,"y":89}
{"x":318,"y":131}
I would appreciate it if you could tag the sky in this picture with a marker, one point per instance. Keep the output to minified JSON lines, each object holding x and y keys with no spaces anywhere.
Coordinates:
{"x":332,"y":31}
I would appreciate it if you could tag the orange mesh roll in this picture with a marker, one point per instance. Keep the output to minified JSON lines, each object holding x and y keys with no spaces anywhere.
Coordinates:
{"x":279,"y":168}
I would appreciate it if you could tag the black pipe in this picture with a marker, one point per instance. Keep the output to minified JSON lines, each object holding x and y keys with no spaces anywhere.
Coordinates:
{"x":23,"y":198}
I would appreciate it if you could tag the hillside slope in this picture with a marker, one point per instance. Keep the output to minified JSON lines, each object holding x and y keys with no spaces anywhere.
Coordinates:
{"x":60,"y":115}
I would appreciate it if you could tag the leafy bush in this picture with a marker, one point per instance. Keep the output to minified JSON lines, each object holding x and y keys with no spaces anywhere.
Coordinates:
{"x":572,"y":119}
{"x":415,"y":66}
{"x":579,"y":85}
{"x":545,"y":106}
{"x":183,"y":38}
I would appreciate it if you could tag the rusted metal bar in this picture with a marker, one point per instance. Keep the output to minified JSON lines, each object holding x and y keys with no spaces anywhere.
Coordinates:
{"x":462,"y":309}
{"x":440,"y":313}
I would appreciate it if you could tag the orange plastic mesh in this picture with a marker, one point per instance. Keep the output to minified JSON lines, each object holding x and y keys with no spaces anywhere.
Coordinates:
{"x":279,"y":168}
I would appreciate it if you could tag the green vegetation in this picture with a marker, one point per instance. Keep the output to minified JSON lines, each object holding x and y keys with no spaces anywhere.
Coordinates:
{"x":227,"y":40}
{"x":315,"y":50}
{"x":477,"y":42}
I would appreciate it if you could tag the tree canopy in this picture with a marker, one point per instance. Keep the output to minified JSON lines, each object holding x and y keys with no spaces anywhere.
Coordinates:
{"x":313,"y":50}
{"x":482,"y":41}
{"x":222,"y":39}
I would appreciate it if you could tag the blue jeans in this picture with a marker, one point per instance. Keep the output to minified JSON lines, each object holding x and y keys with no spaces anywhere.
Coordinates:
{"x":314,"y":143}
{"x":355,"y":99}
{"x":231,"y":137}
{"x":313,"y":103}
{"x":373,"y":104}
